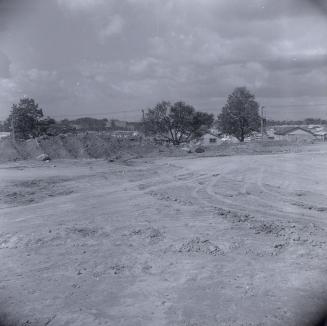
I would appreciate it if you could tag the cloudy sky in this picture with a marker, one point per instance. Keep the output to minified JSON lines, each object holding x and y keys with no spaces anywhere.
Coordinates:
{"x":112,"y":58}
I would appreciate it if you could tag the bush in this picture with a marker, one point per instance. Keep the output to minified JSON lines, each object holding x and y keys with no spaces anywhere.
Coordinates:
{"x":58,"y":128}
{"x":200,"y":150}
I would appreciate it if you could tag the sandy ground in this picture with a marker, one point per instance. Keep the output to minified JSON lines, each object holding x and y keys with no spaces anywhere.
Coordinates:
{"x":235,"y":240}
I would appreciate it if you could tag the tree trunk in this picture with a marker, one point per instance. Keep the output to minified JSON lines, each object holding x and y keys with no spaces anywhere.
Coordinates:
{"x":242,"y":135}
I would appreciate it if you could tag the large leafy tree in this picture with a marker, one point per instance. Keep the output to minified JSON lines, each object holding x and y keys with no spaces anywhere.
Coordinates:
{"x":240,"y":115}
{"x":24,"y":119}
{"x":177,"y":123}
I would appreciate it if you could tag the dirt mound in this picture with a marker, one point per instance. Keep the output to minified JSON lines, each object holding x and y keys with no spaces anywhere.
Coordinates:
{"x":104,"y":145}
{"x":72,"y":146}
{"x":268,"y":228}
{"x":8,"y":152}
{"x":197,"y":245}
{"x":170,"y":198}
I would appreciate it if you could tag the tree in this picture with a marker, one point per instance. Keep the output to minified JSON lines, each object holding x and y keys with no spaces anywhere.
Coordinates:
{"x":240,"y":115}
{"x":4,"y":126}
{"x":43,"y":125}
{"x":177,"y":123}
{"x":24,"y":119}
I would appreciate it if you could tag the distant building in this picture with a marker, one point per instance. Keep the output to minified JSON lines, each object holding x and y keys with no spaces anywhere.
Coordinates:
{"x":229,"y":139}
{"x":320,"y":134}
{"x":270,"y":133}
{"x":4,"y":134}
{"x":257,"y":136}
{"x":216,"y":139}
{"x":210,"y":139}
{"x":115,"y":124}
{"x":294,"y":133}
{"x":123,"y":134}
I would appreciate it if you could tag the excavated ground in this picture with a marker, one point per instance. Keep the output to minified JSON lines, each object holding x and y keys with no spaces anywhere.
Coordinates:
{"x":237,"y":240}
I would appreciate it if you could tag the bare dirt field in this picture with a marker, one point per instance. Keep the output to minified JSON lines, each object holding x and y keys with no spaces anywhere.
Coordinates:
{"x":198,"y":241}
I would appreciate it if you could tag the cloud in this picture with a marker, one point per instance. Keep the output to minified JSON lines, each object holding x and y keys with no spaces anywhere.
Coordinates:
{"x":144,"y":65}
{"x":4,"y":65}
{"x":113,"y":27}
{"x":80,"y":4}
{"x":302,"y":63}
{"x":321,"y":5}
{"x":115,"y":55}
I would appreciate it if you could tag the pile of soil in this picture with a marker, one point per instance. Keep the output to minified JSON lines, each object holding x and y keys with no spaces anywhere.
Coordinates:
{"x":103,"y":145}
{"x":72,"y":146}
{"x":197,"y":245}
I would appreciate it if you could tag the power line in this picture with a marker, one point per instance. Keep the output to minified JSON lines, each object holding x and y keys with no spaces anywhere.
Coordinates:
{"x":296,"y":105}
{"x":90,"y":114}
{"x":95,"y":113}
{"x":108,"y":113}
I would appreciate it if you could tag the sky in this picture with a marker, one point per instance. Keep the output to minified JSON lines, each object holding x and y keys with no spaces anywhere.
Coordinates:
{"x":113,"y":58}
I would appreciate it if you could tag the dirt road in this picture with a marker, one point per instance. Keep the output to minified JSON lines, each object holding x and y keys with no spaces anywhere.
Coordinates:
{"x":187,"y":241}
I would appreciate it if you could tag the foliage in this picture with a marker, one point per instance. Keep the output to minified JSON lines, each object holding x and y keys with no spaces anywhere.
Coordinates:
{"x":4,"y":126}
{"x":45,"y":124}
{"x":24,"y":119}
{"x":60,"y":128}
{"x":87,"y":123}
{"x":307,"y":121}
{"x":177,"y":123}
{"x":240,"y":115}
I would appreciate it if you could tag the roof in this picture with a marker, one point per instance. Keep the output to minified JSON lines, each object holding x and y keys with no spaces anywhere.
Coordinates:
{"x":287,"y":129}
{"x":210,"y":134}
{"x":125,"y":133}
{"x":320,"y":133}
{"x":213,"y":132}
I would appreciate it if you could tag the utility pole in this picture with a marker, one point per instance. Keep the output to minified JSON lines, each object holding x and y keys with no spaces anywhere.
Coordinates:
{"x":13,"y":129}
{"x":262,"y":127}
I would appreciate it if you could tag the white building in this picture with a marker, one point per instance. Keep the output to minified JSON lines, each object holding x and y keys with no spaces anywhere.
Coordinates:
{"x":294,"y":134}
{"x":4,"y":134}
{"x":210,"y":139}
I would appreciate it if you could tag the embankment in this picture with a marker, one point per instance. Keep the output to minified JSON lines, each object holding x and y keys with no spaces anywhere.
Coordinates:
{"x":71,"y":146}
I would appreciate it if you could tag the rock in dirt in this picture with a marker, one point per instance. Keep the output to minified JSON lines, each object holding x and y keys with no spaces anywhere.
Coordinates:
{"x":152,"y":234}
{"x":198,"y":245}
{"x":43,"y":157}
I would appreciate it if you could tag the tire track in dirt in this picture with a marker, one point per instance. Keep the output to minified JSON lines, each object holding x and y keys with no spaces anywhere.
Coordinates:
{"x":207,"y":195}
{"x":292,"y":199}
{"x":273,"y":235}
{"x":204,"y":185}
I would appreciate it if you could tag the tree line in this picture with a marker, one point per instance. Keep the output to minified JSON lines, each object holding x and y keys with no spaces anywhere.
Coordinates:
{"x":176,"y":123}
{"x":308,"y":121}
{"x":180,"y":122}
{"x":26,"y":120}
